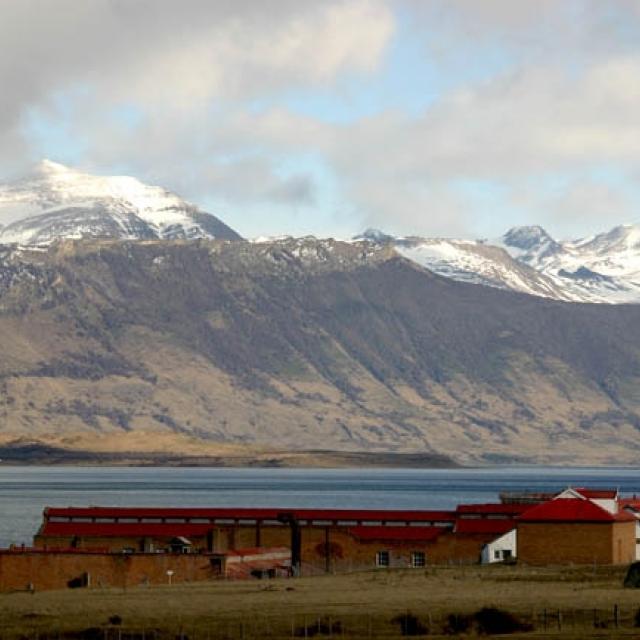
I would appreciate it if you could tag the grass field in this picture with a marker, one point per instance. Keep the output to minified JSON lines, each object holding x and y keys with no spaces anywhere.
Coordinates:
{"x":591,"y":602}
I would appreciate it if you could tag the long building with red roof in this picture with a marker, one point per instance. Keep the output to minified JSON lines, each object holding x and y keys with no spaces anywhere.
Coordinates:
{"x":577,"y":525}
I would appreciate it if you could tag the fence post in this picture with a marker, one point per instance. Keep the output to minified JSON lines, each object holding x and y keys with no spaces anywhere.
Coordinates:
{"x":595,"y":618}
{"x":559,"y":620}
{"x":544,"y":619}
{"x":616,"y":615}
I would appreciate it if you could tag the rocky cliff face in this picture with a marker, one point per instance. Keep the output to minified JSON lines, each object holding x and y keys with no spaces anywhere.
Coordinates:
{"x":303,"y":345}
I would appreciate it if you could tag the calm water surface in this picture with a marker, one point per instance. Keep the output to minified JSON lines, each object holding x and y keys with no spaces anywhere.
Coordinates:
{"x":25,"y":491}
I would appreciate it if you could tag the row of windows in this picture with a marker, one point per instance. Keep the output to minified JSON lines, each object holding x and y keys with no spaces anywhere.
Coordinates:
{"x":318,"y":523}
{"x":418,"y":559}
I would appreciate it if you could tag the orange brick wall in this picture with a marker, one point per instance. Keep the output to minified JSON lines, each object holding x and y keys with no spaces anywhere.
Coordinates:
{"x":459,"y":548}
{"x":54,"y":570}
{"x":352,"y":553}
{"x":578,"y":543}
{"x":624,"y":542}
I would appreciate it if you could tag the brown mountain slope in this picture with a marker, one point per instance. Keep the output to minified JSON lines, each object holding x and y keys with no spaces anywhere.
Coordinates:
{"x":214,"y":348}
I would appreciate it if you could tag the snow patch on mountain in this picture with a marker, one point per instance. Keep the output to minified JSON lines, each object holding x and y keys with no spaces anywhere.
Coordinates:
{"x":56,"y":201}
{"x":604,"y":268}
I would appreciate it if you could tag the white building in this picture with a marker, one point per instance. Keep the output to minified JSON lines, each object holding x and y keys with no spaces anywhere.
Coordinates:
{"x":501,"y":549}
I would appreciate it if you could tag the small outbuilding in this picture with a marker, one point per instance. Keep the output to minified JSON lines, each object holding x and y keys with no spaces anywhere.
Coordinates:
{"x":502,"y":549}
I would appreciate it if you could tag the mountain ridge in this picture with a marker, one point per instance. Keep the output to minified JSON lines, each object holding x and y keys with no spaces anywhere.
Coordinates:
{"x":302,"y":345}
{"x":604,"y":268}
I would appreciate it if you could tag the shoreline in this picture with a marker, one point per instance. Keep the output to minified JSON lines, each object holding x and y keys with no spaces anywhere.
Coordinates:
{"x":33,"y":454}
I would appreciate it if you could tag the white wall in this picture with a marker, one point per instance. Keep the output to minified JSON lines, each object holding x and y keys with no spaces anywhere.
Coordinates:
{"x":495,"y":551}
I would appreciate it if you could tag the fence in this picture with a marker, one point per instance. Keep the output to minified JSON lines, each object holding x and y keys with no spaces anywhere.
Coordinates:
{"x":556,"y":622}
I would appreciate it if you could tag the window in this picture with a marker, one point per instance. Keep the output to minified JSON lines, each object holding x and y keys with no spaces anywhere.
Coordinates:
{"x":506,"y":554}
{"x":418,"y":559}
{"x":382,"y":559}
{"x":496,"y":554}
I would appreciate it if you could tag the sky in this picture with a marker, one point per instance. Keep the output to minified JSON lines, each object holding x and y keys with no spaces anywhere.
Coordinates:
{"x":418,"y":117}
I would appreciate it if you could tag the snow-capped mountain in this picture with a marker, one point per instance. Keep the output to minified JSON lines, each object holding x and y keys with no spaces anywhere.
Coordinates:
{"x":58,"y":202}
{"x":603,"y":268}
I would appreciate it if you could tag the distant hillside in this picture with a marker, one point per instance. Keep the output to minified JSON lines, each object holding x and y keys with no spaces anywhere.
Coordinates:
{"x":229,"y":348}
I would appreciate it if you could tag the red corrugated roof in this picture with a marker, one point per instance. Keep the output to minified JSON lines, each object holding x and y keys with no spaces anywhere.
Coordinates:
{"x":485,"y":525}
{"x":397,"y":534}
{"x":124,"y":529}
{"x":571,"y":510}
{"x":493,"y":508}
{"x":595,"y":494}
{"x":248,"y":513}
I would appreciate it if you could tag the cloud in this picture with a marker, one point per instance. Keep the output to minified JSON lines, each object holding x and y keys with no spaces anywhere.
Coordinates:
{"x":255,"y":180}
{"x":179,"y":58}
{"x":522,"y":95}
{"x":189,"y":71}
{"x":584,"y":205}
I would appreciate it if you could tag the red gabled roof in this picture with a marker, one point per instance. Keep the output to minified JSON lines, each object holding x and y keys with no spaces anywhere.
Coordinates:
{"x":571,"y":510}
{"x":250,"y":513}
{"x":493,"y":508}
{"x":485,"y":525}
{"x":397,"y":534}
{"x":597,"y":494}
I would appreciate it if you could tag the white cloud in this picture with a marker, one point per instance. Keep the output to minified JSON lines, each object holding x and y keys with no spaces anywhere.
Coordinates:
{"x":167,"y":54}
{"x":540,"y":88}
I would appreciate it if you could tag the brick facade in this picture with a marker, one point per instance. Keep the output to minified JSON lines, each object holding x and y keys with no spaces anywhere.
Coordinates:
{"x":60,"y":570}
{"x":346,"y":551}
{"x":542,"y":543}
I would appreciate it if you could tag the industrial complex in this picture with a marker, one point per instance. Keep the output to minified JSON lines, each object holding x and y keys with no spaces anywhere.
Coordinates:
{"x":126,"y":547}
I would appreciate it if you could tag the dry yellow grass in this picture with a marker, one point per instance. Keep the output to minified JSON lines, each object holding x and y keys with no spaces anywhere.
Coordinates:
{"x":357,"y":605}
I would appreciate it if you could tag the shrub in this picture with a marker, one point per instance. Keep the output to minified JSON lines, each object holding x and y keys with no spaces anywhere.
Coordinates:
{"x":410,"y":625}
{"x":491,"y":621}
